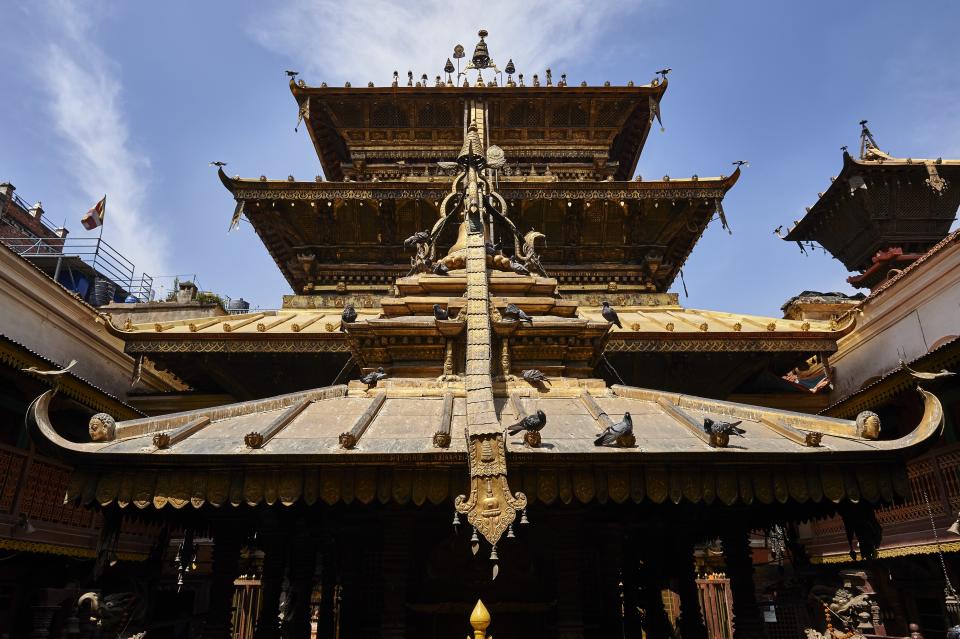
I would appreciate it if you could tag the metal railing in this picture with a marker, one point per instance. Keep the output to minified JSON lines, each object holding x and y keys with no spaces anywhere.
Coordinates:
{"x":105,"y":260}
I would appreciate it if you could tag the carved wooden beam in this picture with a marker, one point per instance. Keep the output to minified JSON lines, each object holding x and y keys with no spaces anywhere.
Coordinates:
{"x":715,"y":441}
{"x":166,"y":440}
{"x":259,"y":438}
{"x":804,"y":438}
{"x":441,"y":439}
{"x":351,"y":437}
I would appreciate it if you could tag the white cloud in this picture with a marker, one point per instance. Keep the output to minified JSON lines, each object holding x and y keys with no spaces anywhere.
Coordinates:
{"x":84,"y":98}
{"x":366,"y":40}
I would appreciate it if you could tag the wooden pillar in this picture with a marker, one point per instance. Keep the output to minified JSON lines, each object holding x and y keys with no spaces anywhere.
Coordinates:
{"x":271,"y":583}
{"x":227,"y":539}
{"x":302,"y":567}
{"x":326,"y":628}
{"x":747,"y":619}
{"x":566,"y":543}
{"x":395,"y":570}
{"x":691,"y":621}
{"x":630,"y":576}
{"x":656,"y":622}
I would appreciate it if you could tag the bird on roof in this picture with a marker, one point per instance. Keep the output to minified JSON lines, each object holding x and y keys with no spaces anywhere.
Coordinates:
{"x":514,"y":312}
{"x":926,"y":376}
{"x":218,"y":164}
{"x":440,"y":269}
{"x":371,"y":378}
{"x":739,"y":163}
{"x":56,"y":371}
{"x":610,"y":314}
{"x":722,"y":428}
{"x":518,"y":267}
{"x":663,"y":72}
{"x":292,"y":74}
{"x":778,"y":231}
{"x":348,"y":316}
{"x":534,"y":422}
{"x":493,"y":249}
{"x":611,"y":434}
{"x":442,"y":313}
{"x":420,"y":237}
{"x":534,"y":376}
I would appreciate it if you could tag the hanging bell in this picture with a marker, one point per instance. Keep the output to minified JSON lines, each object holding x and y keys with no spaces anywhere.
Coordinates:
{"x":955,"y":526}
{"x":523,"y":517}
{"x":448,"y":67}
{"x":493,"y":553}
{"x":474,"y":539}
{"x":510,"y":69}
{"x":510,"y":534}
{"x":456,"y":519}
{"x":952,"y":604}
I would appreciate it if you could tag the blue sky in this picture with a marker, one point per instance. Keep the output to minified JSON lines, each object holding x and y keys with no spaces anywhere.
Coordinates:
{"x":134,"y":99}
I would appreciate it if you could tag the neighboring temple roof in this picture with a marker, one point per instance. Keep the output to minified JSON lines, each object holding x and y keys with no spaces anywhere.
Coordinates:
{"x":880,"y":202}
{"x":339,"y":444}
{"x":319,"y":330}
{"x":917,"y":265}
{"x":897,"y":381}
{"x":547,"y":124}
{"x":354,"y":231}
{"x":18,"y":356}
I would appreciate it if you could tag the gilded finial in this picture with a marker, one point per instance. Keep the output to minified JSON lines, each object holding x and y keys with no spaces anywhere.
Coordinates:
{"x":480,"y":620}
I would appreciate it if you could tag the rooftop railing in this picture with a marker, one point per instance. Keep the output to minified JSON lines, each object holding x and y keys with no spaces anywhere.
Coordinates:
{"x":101,"y":257}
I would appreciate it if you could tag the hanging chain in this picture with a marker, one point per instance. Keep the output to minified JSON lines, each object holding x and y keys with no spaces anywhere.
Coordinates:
{"x":936,"y":540}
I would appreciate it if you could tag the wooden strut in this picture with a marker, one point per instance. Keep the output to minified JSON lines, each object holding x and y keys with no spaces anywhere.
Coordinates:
{"x":350,"y":438}
{"x":259,"y":438}
{"x":714,"y":441}
{"x":441,"y":439}
{"x":166,"y":440}
{"x":804,"y":438}
{"x":595,"y":411}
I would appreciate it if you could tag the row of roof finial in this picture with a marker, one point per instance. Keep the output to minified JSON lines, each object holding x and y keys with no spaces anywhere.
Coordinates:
{"x":481,"y":60}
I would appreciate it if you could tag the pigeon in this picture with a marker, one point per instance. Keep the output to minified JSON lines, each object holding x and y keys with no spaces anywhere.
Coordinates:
{"x":663,"y":72}
{"x":611,"y":433}
{"x":56,"y":371}
{"x":420,"y":237}
{"x":441,"y":313}
{"x":722,"y":428}
{"x":739,"y":163}
{"x":533,"y":422}
{"x":518,"y":267}
{"x":371,"y":378}
{"x":926,"y":376}
{"x":218,"y":164}
{"x":292,"y":74}
{"x":534,"y":376}
{"x":348,"y":316}
{"x":440,"y":269}
{"x":609,"y":314}
{"x":514,"y":312}
{"x":493,"y":249}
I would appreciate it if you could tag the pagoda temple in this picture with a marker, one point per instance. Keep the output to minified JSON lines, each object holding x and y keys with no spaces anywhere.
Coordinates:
{"x":443,"y":411}
{"x":881,"y":213}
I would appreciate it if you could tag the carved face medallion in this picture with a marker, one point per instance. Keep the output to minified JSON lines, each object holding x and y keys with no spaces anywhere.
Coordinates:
{"x":102,"y":428}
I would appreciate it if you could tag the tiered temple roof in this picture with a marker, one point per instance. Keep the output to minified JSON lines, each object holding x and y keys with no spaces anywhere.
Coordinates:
{"x":881,"y":213}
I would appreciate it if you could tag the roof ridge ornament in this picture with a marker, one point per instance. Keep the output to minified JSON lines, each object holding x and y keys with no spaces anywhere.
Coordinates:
{"x":869,"y":150}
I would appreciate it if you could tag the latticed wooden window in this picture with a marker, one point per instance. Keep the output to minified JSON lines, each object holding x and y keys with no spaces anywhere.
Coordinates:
{"x":389,"y":115}
{"x":610,"y":113}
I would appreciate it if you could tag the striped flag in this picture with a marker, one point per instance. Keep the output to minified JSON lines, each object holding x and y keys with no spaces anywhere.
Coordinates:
{"x":94,"y":216}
